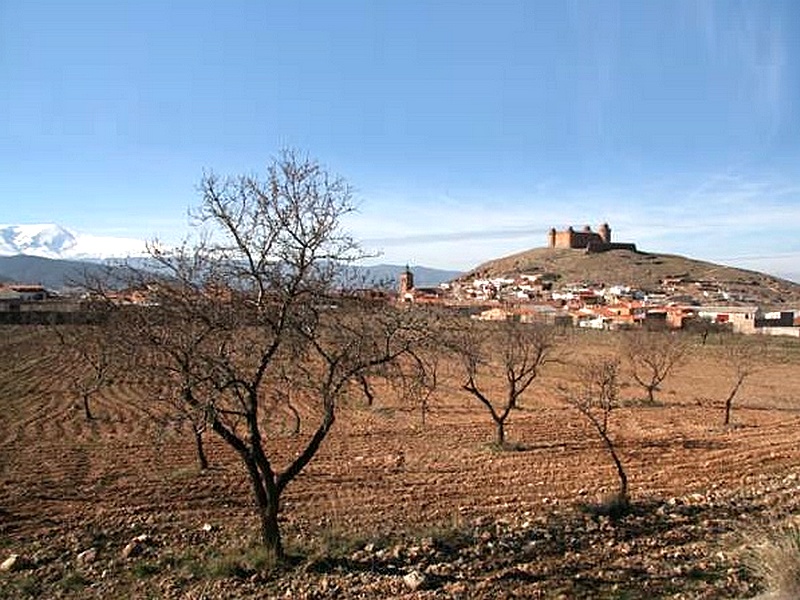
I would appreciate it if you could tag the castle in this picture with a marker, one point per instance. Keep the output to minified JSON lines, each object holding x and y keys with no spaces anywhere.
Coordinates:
{"x":586,"y":239}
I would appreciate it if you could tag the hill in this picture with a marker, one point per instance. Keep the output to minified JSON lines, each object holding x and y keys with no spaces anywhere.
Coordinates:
{"x":642,"y":270}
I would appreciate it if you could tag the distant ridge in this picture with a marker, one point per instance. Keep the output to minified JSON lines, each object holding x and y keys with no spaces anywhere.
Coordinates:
{"x":57,"y":274}
{"x":54,"y":274}
{"x":640,"y":269}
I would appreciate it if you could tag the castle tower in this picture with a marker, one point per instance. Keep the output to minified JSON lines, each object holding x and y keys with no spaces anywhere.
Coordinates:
{"x":406,"y":282}
{"x":551,"y":237}
{"x":605,"y":233}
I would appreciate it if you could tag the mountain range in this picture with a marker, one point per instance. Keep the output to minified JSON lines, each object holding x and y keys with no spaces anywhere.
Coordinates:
{"x":54,"y":241}
{"x":57,"y":274}
{"x":57,"y":257}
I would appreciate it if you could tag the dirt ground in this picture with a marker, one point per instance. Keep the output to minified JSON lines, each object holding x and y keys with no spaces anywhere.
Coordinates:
{"x":388,"y":495}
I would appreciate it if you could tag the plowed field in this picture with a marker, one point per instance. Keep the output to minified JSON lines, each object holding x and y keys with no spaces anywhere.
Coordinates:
{"x":67,"y":484}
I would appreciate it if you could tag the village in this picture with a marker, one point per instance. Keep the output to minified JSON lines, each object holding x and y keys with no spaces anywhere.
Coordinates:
{"x":596,"y":305}
{"x":675,"y":303}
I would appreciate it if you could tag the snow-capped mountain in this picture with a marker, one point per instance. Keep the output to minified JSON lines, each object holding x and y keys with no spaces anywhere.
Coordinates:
{"x":54,"y":241}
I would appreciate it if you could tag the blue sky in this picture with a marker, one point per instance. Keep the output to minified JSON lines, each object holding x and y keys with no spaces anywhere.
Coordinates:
{"x":467,"y":128}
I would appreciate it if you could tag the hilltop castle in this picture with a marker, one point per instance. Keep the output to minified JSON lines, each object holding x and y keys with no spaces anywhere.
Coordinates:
{"x":586,"y":239}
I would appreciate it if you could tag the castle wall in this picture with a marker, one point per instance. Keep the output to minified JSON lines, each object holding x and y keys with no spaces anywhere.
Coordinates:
{"x":576,"y":239}
{"x":596,"y":247}
{"x":586,"y":239}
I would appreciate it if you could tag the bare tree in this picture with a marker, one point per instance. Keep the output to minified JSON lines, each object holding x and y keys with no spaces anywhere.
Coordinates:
{"x":596,"y":397}
{"x":424,"y":381}
{"x":169,"y":336}
{"x":706,"y":327}
{"x":414,"y":377}
{"x":253,"y":311}
{"x":652,"y":356}
{"x":172,"y":387}
{"x":517,"y":350}
{"x":741,"y":355}
{"x":91,"y":346}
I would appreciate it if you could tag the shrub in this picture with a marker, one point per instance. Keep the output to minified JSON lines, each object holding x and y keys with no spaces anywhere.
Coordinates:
{"x":243,"y":562}
{"x":614,"y":506}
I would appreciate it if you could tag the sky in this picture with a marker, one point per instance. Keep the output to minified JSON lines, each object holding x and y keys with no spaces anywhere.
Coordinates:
{"x":466,"y":128}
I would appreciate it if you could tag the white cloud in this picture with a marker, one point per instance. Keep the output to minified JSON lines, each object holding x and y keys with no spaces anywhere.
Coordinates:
{"x":732,"y":217}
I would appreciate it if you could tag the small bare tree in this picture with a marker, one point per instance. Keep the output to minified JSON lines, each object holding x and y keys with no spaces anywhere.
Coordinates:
{"x":91,"y":345}
{"x":705,"y":327}
{"x":254,"y":310}
{"x":517,"y":350}
{"x":652,"y":356}
{"x":424,"y":382}
{"x":415,"y":378}
{"x":741,"y":356}
{"x":596,"y":397}
{"x":173,"y":391}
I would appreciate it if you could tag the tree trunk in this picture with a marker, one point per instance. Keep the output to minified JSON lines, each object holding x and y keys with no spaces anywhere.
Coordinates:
{"x":501,"y":432}
{"x":86,"y":410}
{"x":651,"y":394}
{"x":367,"y":390}
{"x":295,"y":417}
{"x":267,"y":488}
{"x":267,"y":506}
{"x":201,"y":454}
{"x":270,"y":530}
{"x":623,"y":498}
{"x":729,"y":401}
{"x":623,"y":477}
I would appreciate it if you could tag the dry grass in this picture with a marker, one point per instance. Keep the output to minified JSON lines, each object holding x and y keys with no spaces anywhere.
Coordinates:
{"x":776,"y":562}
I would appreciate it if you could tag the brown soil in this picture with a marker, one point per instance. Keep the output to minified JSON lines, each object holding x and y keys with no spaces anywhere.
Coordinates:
{"x":388,"y":495}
